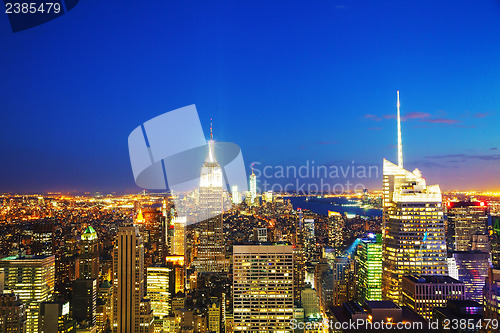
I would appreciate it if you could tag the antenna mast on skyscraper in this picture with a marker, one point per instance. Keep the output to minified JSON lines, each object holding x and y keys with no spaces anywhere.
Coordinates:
{"x":211,"y":132}
{"x":400,"y":142}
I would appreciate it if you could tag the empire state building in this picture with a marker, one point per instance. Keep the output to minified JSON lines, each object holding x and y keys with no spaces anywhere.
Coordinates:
{"x":210,"y":247}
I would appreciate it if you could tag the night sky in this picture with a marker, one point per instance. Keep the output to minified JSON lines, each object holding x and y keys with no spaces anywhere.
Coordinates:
{"x":288,"y":81}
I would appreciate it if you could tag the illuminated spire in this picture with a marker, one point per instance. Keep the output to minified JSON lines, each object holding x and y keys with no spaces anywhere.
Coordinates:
{"x":400,"y":142}
{"x":211,"y":132}
{"x":211,"y":155}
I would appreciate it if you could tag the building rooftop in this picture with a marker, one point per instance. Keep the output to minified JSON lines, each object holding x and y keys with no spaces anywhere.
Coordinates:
{"x":27,"y":257}
{"x":381,"y":305}
{"x":432,"y":279}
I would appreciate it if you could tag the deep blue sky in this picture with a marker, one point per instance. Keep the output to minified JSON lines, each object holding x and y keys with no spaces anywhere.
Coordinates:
{"x":288,"y":81}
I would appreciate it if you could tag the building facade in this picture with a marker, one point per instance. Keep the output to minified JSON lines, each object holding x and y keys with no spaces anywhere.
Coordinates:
{"x":423,"y":293}
{"x":263,"y":288}
{"x":32,"y":279}
{"x":131,"y":311}
{"x":413,"y":232}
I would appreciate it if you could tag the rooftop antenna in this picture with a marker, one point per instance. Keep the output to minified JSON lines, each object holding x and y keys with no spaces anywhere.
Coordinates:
{"x":211,"y":132}
{"x":400,"y":142}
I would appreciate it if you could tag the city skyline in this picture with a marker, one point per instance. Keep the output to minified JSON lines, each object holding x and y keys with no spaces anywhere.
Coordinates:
{"x":252,"y":67}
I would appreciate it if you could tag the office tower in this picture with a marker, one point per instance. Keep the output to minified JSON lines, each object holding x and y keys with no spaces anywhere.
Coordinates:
{"x":422,"y":293}
{"x":310,"y":303}
{"x":160,"y":290}
{"x":210,"y":249}
{"x":336,"y":231}
{"x":491,"y":292}
{"x":370,"y":269}
{"x":32,"y":278}
{"x":341,"y":267}
{"x":104,"y":306}
{"x":131,"y":312}
{"x":495,"y":241}
{"x":299,"y":262}
{"x":253,"y":189}
{"x":89,"y":254}
{"x":12,"y":314}
{"x":471,"y":267}
{"x":413,"y":233}
{"x":179,"y":239}
{"x":84,"y":302}
{"x":466,"y":221}
{"x":178,"y":267}
{"x":214,"y":316}
{"x":42,"y":242}
{"x":236,"y":195}
{"x":263,"y":288}
{"x":54,"y":318}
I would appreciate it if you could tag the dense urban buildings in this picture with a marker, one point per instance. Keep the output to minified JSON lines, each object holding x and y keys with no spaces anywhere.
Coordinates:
{"x":137,"y":263}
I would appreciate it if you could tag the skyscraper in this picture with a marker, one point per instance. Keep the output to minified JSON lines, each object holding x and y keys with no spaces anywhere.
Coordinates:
{"x":413,"y":233}
{"x":131,"y":312}
{"x":253,"y":188}
{"x":89,"y":254}
{"x":472,"y":270}
{"x":370,"y":269}
{"x":466,"y":220}
{"x":235,"y":195}
{"x":210,"y":249}
{"x":84,"y":302}
{"x":335,"y":231}
{"x":179,"y":241}
{"x":263,"y":288}
{"x":32,"y":278}
{"x":160,"y":290}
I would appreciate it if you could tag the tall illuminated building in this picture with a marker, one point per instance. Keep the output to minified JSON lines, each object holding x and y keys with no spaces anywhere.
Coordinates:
{"x":131,"y":311}
{"x":253,"y":188}
{"x":32,"y":279}
{"x":179,"y":239}
{"x":89,"y":254}
{"x":236,"y":195}
{"x":466,"y":220}
{"x":413,"y":232}
{"x":210,"y":250}
{"x":309,"y":235}
{"x":471,"y":267}
{"x":160,"y":290}
{"x":335,"y":231}
{"x":495,"y":241}
{"x":370,"y":269}
{"x":263,"y":288}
